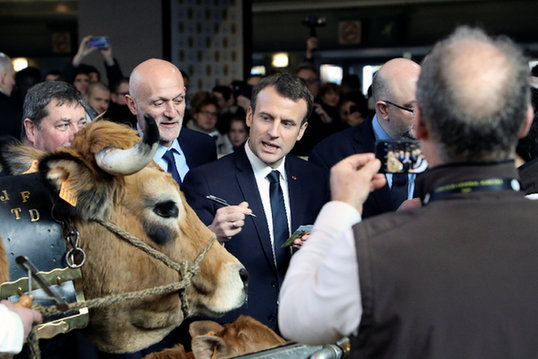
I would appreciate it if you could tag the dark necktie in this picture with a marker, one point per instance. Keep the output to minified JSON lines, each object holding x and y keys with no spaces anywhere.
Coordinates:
{"x":280,"y":220}
{"x":172,"y":169}
{"x":398,"y":191}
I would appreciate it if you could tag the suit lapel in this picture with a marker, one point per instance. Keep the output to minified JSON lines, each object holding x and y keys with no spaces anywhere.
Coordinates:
{"x":249,"y":188}
{"x":295,"y":191}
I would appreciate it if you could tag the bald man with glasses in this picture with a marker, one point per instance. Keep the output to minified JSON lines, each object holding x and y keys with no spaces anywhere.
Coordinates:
{"x":393,"y":89}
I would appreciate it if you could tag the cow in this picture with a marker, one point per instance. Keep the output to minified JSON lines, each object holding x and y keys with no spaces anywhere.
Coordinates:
{"x":109,"y":170}
{"x":211,"y":340}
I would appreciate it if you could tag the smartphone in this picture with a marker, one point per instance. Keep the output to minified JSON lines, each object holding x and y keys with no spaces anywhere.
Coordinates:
{"x":400,"y":157}
{"x":100,"y":42}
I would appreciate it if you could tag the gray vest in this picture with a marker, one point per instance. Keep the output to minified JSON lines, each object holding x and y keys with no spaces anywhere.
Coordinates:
{"x":456,"y":279}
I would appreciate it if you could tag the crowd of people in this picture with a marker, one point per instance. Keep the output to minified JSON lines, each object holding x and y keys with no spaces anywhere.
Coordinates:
{"x":433,"y":265}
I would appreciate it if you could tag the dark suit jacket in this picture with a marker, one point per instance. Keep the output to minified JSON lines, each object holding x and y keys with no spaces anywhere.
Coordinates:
{"x":10,"y":116}
{"x":356,"y":139}
{"x":198,"y":147}
{"x":232,"y":178}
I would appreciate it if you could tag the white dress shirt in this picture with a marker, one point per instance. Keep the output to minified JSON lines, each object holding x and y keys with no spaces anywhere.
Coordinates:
{"x":11,"y":331}
{"x":320,"y":299}
{"x":261,"y":170}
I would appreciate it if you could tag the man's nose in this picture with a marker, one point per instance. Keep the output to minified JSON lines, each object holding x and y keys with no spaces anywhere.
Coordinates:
{"x":171,"y":111}
{"x":273,"y":129}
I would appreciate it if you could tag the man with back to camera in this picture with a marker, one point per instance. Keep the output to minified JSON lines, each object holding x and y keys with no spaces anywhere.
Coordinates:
{"x":456,"y":278}
{"x":156,"y":88}
{"x":394,"y":95}
{"x":283,"y":192}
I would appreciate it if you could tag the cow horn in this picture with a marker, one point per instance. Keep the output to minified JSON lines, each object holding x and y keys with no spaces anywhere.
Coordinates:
{"x":125,"y":162}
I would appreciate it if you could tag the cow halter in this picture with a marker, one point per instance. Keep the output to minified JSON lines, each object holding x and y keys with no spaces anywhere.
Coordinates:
{"x":186,"y":270}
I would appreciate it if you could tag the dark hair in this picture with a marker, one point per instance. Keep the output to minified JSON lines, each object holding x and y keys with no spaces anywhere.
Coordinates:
{"x":224,"y":90}
{"x":116,"y":84}
{"x":305,"y":66}
{"x":40,"y":95}
{"x":329,"y":86}
{"x":473,"y":119}
{"x":288,"y":86}
{"x":358,"y":99}
{"x":202,"y":99}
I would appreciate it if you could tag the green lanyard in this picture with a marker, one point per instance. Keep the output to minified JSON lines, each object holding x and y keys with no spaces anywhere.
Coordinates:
{"x":469,"y":186}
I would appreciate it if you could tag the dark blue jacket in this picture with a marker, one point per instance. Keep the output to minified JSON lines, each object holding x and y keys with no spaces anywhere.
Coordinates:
{"x":232,"y":178}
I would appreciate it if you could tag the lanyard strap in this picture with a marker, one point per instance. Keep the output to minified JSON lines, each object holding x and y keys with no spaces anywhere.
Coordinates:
{"x":482,"y":185}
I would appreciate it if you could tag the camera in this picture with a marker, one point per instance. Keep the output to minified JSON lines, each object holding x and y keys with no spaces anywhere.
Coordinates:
{"x":312,"y":22}
{"x":100,"y":42}
{"x":400,"y":157}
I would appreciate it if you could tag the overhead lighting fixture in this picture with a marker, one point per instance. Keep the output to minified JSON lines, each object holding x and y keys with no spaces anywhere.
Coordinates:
{"x":258,"y":70}
{"x":19,"y":63}
{"x":280,"y":60}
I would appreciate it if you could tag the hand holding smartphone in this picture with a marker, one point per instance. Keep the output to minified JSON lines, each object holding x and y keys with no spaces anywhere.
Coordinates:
{"x":99,"y":42}
{"x":400,"y":157}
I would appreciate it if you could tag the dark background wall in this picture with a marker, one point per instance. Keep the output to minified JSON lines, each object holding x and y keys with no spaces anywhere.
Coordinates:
{"x":138,"y":28}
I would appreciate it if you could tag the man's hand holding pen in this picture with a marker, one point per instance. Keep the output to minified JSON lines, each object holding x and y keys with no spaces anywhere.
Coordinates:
{"x":229,"y":220}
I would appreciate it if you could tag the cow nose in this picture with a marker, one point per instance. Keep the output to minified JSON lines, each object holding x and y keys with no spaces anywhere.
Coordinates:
{"x":244,"y":276}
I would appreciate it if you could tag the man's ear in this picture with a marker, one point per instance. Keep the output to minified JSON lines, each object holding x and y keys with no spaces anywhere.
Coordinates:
{"x":30,"y":128}
{"x":529,"y":118}
{"x":131,"y":104}
{"x":301,"y":131}
{"x":249,"y":116}
{"x":381,"y":108}
{"x":421,"y":132}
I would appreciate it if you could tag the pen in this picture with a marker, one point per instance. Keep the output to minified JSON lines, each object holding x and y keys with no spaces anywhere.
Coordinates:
{"x":223,"y":202}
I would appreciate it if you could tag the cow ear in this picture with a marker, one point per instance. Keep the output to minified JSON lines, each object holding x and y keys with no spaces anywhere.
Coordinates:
{"x":77,"y":185}
{"x":15,"y":158}
{"x":204,"y":346}
{"x":202,"y":327}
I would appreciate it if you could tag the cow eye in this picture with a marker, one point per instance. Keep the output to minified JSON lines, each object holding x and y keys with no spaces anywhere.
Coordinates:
{"x":166,"y":209}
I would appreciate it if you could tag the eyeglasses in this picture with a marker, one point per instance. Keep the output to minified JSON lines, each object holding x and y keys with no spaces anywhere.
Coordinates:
{"x":399,"y":106}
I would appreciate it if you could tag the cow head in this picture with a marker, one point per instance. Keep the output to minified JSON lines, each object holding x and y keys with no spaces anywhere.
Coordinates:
{"x":244,"y":335}
{"x":110,"y":173}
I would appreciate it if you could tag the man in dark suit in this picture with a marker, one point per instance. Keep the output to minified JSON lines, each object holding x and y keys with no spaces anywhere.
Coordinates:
{"x":10,"y":109}
{"x":393,"y":89}
{"x":249,"y":177}
{"x":156,"y":88}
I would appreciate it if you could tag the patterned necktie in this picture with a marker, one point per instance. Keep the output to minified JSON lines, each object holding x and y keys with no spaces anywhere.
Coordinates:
{"x":280,"y":220}
{"x":172,"y":169}
{"x":399,"y":189}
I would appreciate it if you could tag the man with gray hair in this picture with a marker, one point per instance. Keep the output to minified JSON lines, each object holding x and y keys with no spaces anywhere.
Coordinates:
{"x":457,"y":277}
{"x":10,"y":111}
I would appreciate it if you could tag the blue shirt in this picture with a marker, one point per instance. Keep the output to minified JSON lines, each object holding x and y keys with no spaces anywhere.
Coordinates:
{"x":179,"y":156}
{"x":381,"y":135}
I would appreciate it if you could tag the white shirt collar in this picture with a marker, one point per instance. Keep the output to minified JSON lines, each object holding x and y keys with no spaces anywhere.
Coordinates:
{"x":260,"y":168}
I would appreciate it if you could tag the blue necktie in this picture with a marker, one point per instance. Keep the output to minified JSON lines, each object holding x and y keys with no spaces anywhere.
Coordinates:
{"x":172,"y":169}
{"x":399,"y":189}
{"x":280,"y":221}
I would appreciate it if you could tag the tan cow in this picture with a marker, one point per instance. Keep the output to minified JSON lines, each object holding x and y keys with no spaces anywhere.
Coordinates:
{"x":211,"y":340}
{"x":116,"y":181}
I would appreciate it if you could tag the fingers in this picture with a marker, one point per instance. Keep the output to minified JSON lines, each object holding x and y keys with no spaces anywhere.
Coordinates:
{"x":353,"y":178}
{"x":229,"y":221}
